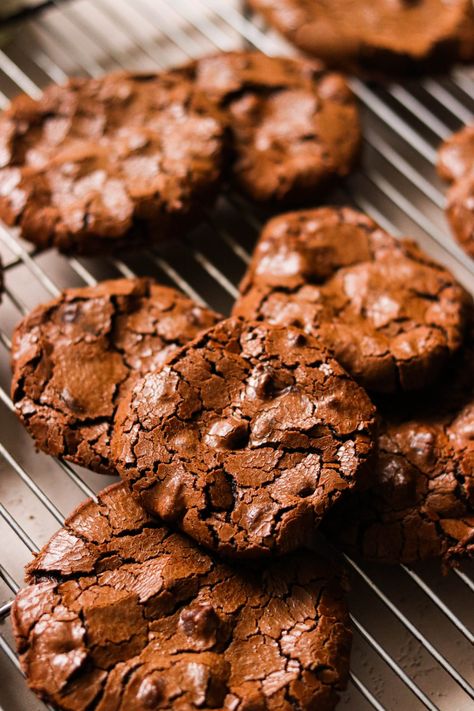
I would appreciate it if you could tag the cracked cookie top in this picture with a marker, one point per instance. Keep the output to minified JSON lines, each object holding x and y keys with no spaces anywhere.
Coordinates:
{"x":293,"y":124}
{"x":103,"y":163}
{"x":388,"y":36}
{"x":74,"y":357}
{"x":245,"y":438}
{"x":121,"y":614}
{"x":391,"y":315}
{"x":456,"y":165}
{"x":422,"y":504}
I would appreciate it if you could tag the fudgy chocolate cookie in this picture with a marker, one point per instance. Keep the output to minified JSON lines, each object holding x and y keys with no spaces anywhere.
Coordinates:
{"x":384,"y":36}
{"x":388,"y":313}
{"x":293,"y":125}
{"x":121,"y":614}
{"x":103,"y":163}
{"x":74,"y":357}
{"x":456,"y":165}
{"x":245,"y":438}
{"x":422,"y":504}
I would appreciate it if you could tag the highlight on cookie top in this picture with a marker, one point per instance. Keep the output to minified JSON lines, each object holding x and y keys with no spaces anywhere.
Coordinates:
{"x":389,"y":313}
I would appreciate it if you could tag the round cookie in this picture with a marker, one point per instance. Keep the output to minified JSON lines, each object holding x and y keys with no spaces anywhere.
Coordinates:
{"x":422,"y":504}
{"x":75,"y":357}
{"x":293,"y":125}
{"x":386,"y":36}
{"x":99,"y":164}
{"x":456,"y":164}
{"x":245,"y":438}
{"x":388,"y":313}
{"x":121,"y":614}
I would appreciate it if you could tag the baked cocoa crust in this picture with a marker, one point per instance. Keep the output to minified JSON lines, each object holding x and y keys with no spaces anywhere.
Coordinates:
{"x":100,"y":164}
{"x":422,"y":505}
{"x":121,"y":614}
{"x":75,"y":357}
{"x":456,"y":165}
{"x":391,"y":315}
{"x":293,"y":125}
{"x":389,"y":36}
{"x":245,"y":438}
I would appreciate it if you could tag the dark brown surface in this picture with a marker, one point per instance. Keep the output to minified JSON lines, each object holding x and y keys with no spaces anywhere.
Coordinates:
{"x":294,"y":126}
{"x":245,"y":438}
{"x":422,"y":505}
{"x":456,"y":164}
{"x":122,"y":615}
{"x":74,"y":357}
{"x":99,"y":164}
{"x":381,"y":36}
{"x":390,"y":315}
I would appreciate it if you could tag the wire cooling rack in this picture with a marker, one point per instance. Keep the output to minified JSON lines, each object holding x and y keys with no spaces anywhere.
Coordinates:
{"x":413,"y":628}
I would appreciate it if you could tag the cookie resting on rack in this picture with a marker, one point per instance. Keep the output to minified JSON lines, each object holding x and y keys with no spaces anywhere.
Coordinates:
{"x":99,"y":164}
{"x":293,"y":125}
{"x":391,"y":315}
{"x":75,"y":357}
{"x":456,"y":165}
{"x":121,"y":614}
{"x":422,"y":504}
{"x":386,"y":36}
{"x":245,"y":438}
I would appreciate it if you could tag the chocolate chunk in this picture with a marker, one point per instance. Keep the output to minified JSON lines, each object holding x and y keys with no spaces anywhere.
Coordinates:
{"x":422,"y":505}
{"x":99,"y":164}
{"x":121,"y":614}
{"x":245,"y":466}
{"x":389,"y":36}
{"x":75,"y":357}
{"x":293,"y":125}
{"x":388,"y":313}
{"x":456,"y":165}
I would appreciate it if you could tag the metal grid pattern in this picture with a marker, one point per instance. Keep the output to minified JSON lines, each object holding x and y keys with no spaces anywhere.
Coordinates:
{"x":414,"y":629}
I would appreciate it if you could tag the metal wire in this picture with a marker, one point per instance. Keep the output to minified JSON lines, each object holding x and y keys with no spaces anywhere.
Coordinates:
{"x":401,"y":152}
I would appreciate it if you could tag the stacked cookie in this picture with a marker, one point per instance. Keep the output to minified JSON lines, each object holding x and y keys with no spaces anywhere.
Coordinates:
{"x":101,"y":164}
{"x":201,"y":580}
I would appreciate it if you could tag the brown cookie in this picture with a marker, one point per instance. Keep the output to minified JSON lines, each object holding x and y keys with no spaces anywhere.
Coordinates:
{"x":99,"y":164}
{"x":121,"y":614}
{"x":74,"y":358}
{"x":245,"y":438}
{"x":456,"y":165}
{"x":294,"y":126}
{"x":388,"y":313}
{"x":385,"y":36}
{"x":422,"y":505}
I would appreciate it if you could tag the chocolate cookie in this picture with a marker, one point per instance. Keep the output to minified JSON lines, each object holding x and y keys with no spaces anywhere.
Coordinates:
{"x":293,"y":125}
{"x":121,"y":614}
{"x":422,"y":505}
{"x":390,"y":315}
{"x":245,"y":438}
{"x":74,"y":357}
{"x":456,"y":165}
{"x":385,"y":36}
{"x":103,"y":163}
